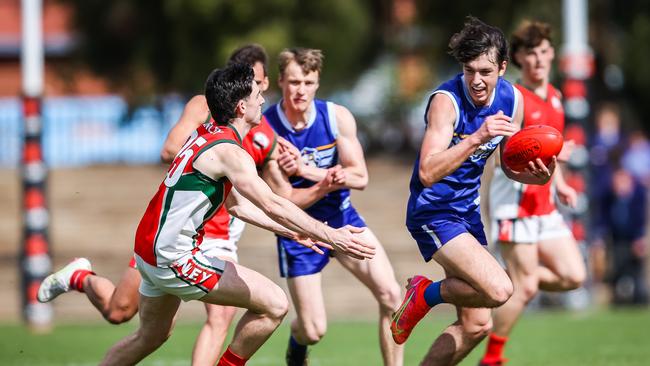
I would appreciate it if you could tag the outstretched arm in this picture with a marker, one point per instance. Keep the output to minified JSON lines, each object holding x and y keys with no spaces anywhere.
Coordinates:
{"x":243,"y":209}
{"x":194,"y":114}
{"x":234,"y":163}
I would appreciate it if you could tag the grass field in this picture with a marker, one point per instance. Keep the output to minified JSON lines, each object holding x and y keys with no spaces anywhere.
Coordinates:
{"x":593,"y":338}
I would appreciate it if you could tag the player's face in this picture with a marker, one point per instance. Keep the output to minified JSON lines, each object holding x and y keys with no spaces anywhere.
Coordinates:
{"x":260,"y":76}
{"x":536,"y":62}
{"x":253,"y":104}
{"x":298,"y":88}
{"x":481,"y":76}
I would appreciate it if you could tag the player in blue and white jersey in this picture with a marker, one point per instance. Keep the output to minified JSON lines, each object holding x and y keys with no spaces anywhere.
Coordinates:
{"x":467,"y":118}
{"x":324,"y":134}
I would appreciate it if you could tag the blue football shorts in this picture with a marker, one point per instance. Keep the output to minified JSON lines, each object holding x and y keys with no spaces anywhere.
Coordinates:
{"x":296,"y":260}
{"x":443,"y":227}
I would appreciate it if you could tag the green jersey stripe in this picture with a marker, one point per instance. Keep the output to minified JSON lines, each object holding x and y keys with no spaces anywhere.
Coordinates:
{"x":268,"y":156}
{"x":167,"y":203}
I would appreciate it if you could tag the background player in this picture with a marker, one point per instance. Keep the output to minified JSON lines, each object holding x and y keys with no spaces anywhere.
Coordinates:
{"x":466,"y":119}
{"x":168,"y":240}
{"x":537,"y":246}
{"x":324,"y":134}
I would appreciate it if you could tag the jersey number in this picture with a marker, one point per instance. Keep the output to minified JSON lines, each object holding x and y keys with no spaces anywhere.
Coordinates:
{"x":185,"y":154}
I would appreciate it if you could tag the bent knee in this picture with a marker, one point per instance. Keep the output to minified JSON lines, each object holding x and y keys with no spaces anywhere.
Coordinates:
{"x":278,"y":304}
{"x":120,"y":313}
{"x":389,"y":298}
{"x":574,"y":280}
{"x":525,"y":291}
{"x":477,"y":329}
{"x":314,"y":332}
{"x":499,"y":293}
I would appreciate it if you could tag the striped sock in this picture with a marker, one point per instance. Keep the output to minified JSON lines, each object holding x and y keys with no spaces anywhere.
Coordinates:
{"x":77,"y":279}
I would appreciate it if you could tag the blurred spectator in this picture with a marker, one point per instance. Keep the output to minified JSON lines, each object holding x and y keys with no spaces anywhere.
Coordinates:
{"x":623,"y":214}
{"x":636,"y":159}
{"x":606,"y":145}
{"x":607,"y":137}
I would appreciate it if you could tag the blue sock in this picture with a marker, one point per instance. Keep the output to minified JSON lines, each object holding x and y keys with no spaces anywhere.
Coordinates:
{"x":297,"y":352}
{"x":432,"y":294}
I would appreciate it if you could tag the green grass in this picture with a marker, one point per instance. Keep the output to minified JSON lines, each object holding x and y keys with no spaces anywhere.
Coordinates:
{"x":598,"y":338}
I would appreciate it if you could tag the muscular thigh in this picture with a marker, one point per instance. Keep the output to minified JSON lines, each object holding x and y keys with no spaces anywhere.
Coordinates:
{"x":520,"y":259}
{"x":307,"y":296}
{"x":242,"y":287}
{"x":561,"y":255}
{"x":374,"y":273}
{"x":464,"y":257}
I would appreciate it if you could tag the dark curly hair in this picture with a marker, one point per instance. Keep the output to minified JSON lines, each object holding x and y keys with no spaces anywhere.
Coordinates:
{"x":478,"y":38}
{"x":225,"y":88}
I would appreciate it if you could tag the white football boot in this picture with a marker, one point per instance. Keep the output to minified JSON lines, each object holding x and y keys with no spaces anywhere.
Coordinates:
{"x":59,"y":281}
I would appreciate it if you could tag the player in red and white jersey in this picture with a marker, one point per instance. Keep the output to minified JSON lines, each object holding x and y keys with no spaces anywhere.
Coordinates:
{"x":119,"y":303}
{"x":169,"y":236}
{"x":536,"y":245}
{"x":514,"y":200}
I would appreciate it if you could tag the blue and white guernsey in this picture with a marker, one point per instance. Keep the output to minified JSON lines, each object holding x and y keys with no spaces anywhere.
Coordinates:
{"x":457,"y":194}
{"x":317,"y":145}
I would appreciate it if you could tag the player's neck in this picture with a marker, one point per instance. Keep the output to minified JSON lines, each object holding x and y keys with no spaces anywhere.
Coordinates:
{"x":241,"y":126}
{"x":297,"y":119}
{"x":539,"y":87}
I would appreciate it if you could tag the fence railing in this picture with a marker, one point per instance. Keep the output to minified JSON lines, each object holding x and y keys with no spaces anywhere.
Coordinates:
{"x":80,"y":131}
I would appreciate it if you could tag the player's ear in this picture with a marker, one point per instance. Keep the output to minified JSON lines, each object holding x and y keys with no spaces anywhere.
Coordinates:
{"x":551,"y":50}
{"x":280,"y":80}
{"x":240,"y":109}
{"x":502,"y":68}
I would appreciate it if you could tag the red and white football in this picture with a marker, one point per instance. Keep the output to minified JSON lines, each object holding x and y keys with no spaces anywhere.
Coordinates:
{"x":530,"y":143}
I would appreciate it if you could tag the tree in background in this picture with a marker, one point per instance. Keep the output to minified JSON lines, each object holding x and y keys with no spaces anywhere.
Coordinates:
{"x":152,"y":46}
{"x":148,"y":47}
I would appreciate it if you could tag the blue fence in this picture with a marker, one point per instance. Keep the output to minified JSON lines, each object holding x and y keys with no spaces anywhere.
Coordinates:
{"x":80,"y":131}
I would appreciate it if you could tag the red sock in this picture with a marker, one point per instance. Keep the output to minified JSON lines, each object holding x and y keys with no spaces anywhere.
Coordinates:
{"x":230,"y":358}
{"x":77,"y":279}
{"x":494,"y":351}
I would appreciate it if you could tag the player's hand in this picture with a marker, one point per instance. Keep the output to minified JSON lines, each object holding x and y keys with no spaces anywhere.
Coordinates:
{"x":288,"y":163}
{"x":285,"y":146}
{"x":311,"y":244}
{"x":290,"y":159}
{"x":567,"y":149}
{"x":540,"y":171}
{"x":495,"y":125}
{"x":347,"y":241}
{"x":567,"y":195}
{"x":332,"y":179}
{"x":339,"y":176}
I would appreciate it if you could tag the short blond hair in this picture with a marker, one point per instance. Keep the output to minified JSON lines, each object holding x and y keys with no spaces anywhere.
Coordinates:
{"x":309,"y":59}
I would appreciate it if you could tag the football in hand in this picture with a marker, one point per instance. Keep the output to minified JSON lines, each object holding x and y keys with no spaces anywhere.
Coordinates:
{"x":530,"y":143}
